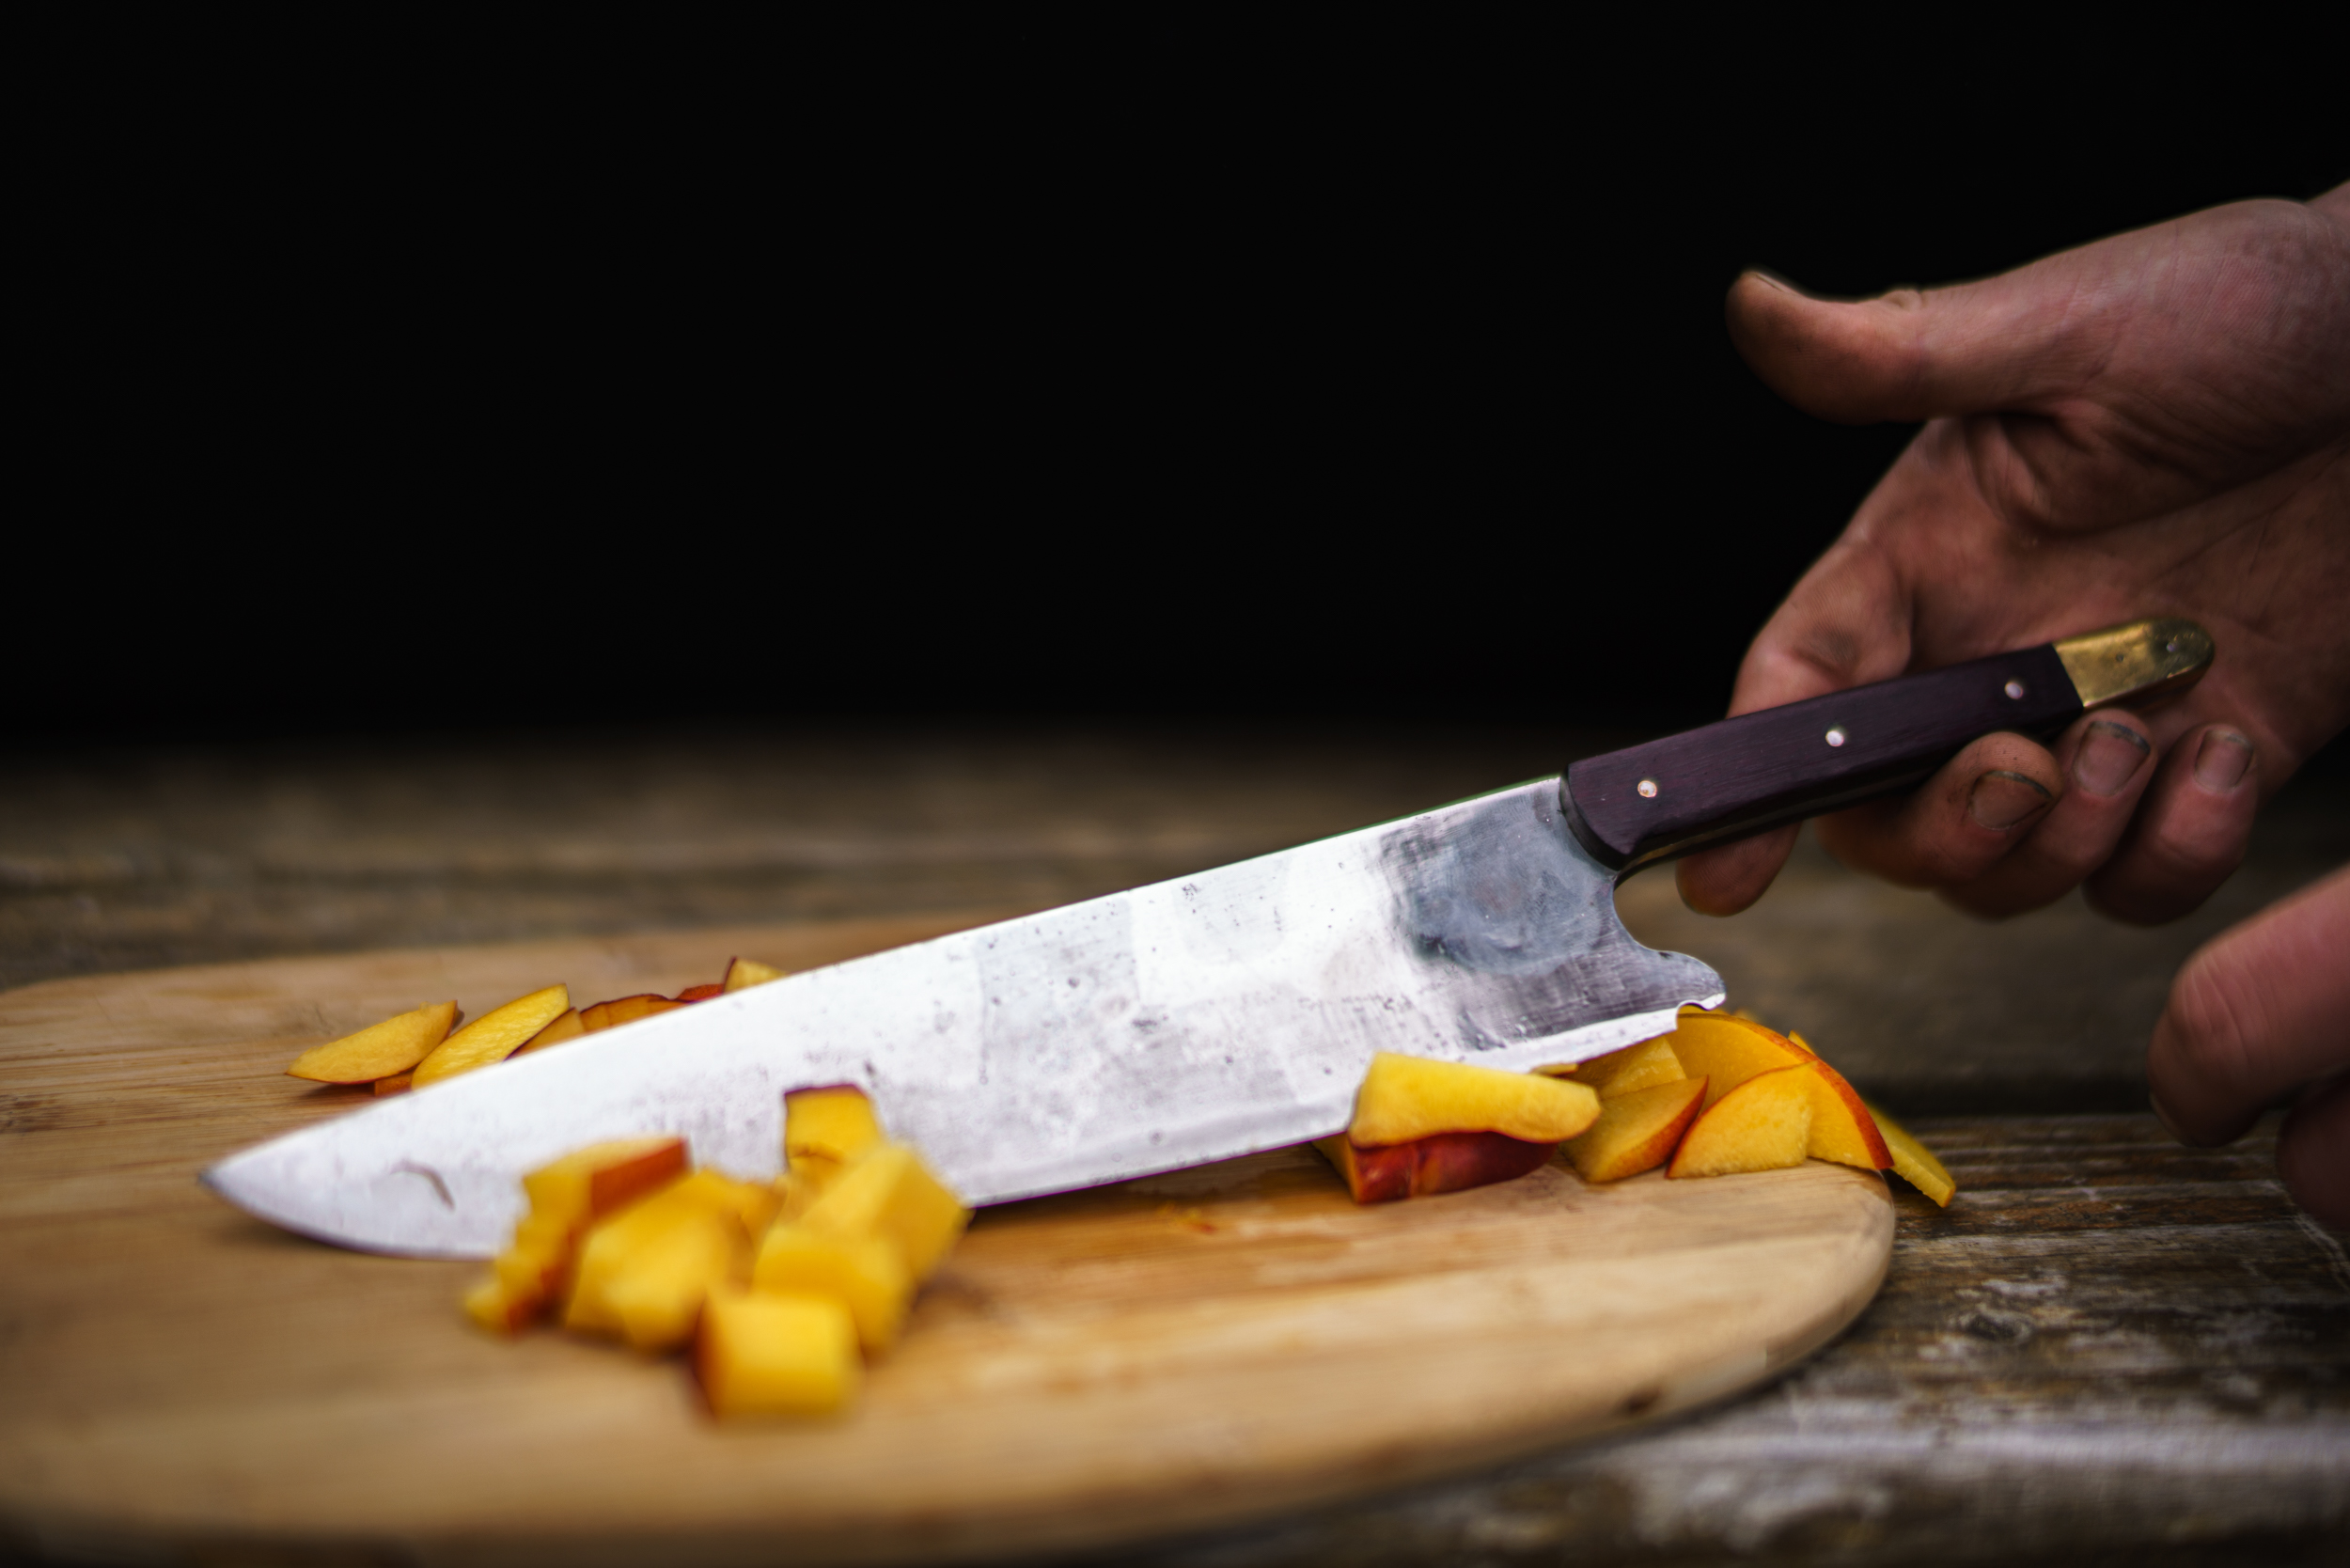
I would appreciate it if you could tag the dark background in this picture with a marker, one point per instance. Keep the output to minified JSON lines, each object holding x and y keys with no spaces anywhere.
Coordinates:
{"x":394,"y":384}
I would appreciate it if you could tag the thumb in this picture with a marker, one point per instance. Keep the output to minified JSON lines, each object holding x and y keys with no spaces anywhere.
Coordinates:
{"x":1907,"y":355}
{"x":2255,"y":1012}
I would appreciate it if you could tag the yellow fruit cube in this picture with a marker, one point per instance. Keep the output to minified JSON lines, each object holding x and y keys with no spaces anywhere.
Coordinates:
{"x":825,"y":1130}
{"x":749,"y":1204}
{"x":868,"y":1276}
{"x":596,"y":1181}
{"x":891,"y":1194}
{"x":642,"y":1274}
{"x":657,"y":1296}
{"x":489,"y":1304}
{"x":777,"y":1355}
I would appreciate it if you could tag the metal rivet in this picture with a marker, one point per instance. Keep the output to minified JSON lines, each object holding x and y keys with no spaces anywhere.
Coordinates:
{"x":1648,"y":789}
{"x":2016,"y":688}
{"x":1836,"y":736}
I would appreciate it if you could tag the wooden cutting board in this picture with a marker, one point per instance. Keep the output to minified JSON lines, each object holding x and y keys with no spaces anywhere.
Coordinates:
{"x":1162,"y":1355}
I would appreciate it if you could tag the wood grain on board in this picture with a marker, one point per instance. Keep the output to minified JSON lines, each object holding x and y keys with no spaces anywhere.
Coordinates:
{"x":1166,"y":1355}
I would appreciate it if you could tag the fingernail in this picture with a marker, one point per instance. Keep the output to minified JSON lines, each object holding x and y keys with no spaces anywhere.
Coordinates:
{"x":2003,"y":800}
{"x":2223,"y":760}
{"x":2109,"y":756}
{"x":2162,"y":1114}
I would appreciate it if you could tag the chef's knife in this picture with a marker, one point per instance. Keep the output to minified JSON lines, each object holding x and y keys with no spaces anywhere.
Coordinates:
{"x":1208,"y":1016}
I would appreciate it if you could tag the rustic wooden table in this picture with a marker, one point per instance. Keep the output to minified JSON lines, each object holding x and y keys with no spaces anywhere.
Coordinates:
{"x":2109,"y":1348}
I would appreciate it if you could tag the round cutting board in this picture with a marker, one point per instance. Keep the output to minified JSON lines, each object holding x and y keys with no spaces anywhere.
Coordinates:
{"x":1166,"y":1355}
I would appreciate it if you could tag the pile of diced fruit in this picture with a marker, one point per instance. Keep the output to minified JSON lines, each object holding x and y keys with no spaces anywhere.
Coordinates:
{"x":778,"y":1286}
{"x":785,"y":1288}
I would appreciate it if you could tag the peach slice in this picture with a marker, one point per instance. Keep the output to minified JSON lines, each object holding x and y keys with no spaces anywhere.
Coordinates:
{"x":380,"y":1050}
{"x":744,"y":973}
{"x":824,"y":1129}
{"x":1634,"y":1067}
{"x":890,"y":1193}
{"x":566,"y":1026}
{"x":624,"y":1010}
{"x":1913,"y":1162}
{"x":493,"y":1037}
{"x":1441,"y":1161}
{"x":1405,"y":1098}
{"x":1636,"y":1130}
{"x":869,"y":1276}
{"x":777,"y":1355}
{"x":700,"y":993}
{"x":1763,"y":1124}
{"x":1726,"y":1050}
{"x":399,"y":1083}
{"x":1841,"y":1128}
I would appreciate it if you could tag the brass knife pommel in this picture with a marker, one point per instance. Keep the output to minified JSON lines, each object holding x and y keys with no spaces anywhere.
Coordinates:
{"x":2141,"y":660}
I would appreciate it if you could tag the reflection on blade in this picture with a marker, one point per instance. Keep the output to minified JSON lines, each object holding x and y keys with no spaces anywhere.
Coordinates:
{"x":1176,"y":1024}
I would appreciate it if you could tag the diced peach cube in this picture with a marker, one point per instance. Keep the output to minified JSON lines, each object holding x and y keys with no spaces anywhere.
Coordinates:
{"x":656,"y":1295}
{"x":490,"y":1304}
{"x":750,"y":1205}
{"x":889,"y":1193}
{"x":867,"y":1275}
{"x":826,"y":1129}
{"x":643,"y":1274}
{"x":593,"y":1181}
{"x":777,"y":1355}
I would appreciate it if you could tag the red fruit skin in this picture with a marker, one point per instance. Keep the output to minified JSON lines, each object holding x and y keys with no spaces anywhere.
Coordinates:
{"x":1444,"y":1162}
{"x":1453,"y":1162}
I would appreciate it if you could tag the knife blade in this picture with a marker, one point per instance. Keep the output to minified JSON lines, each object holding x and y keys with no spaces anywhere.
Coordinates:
{"x":1200,"y":1018}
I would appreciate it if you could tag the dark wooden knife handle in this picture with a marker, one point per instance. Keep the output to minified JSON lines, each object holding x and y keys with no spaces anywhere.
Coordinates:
{"x":1668,"y":797}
